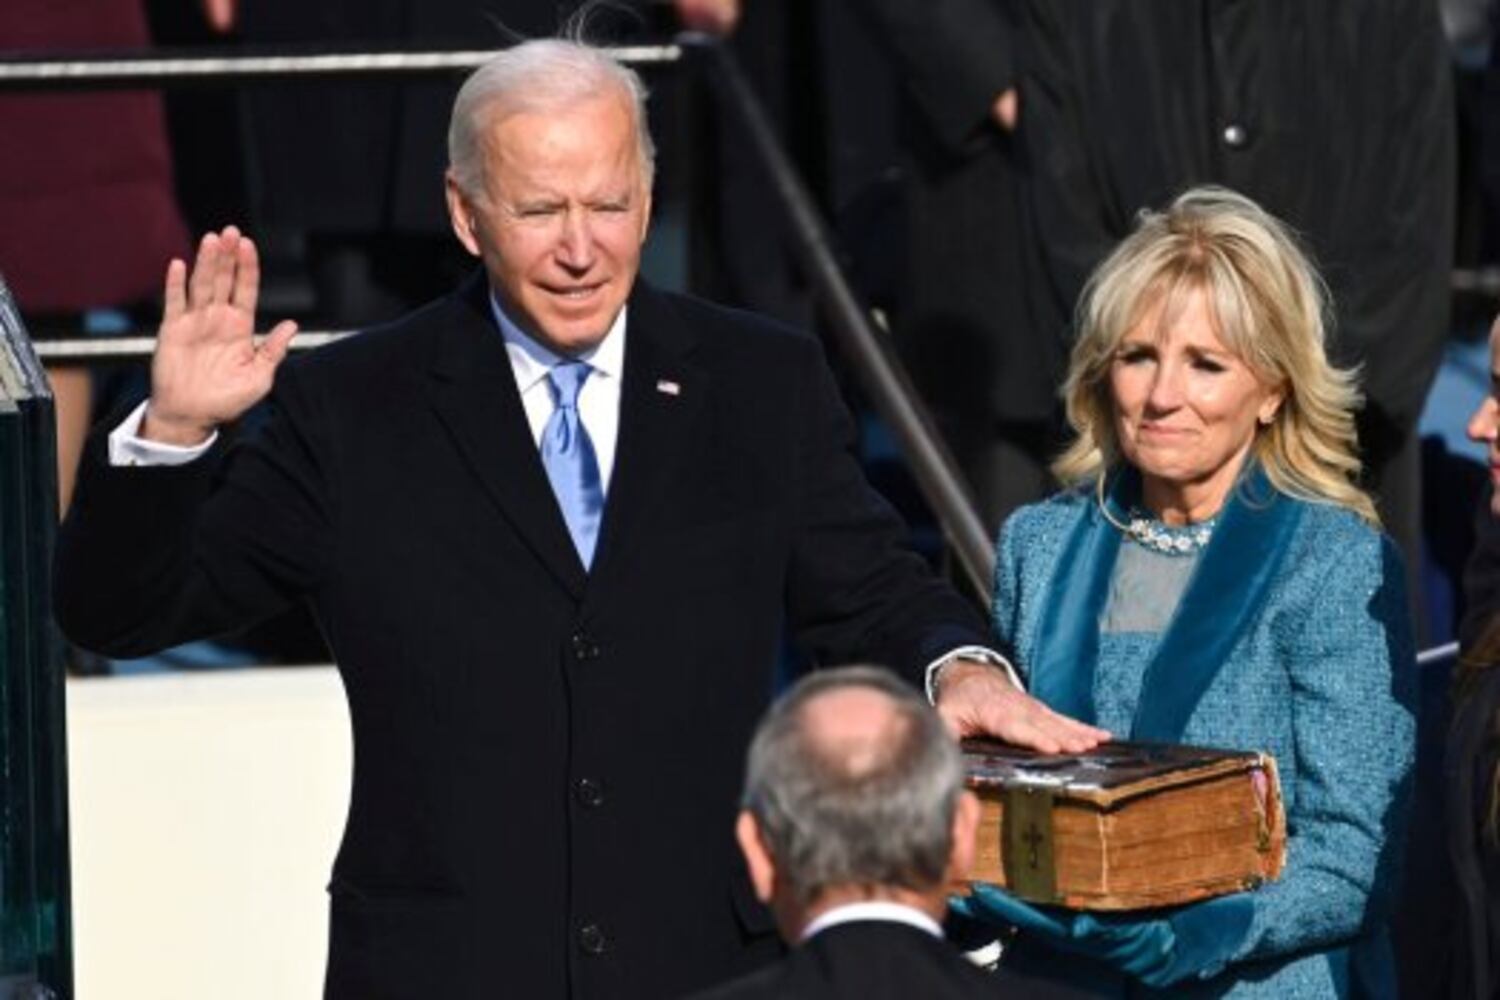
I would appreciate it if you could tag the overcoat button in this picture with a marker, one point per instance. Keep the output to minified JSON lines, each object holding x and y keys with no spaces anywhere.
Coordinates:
{"x":591,"y":939}
{"x":589,"y":792}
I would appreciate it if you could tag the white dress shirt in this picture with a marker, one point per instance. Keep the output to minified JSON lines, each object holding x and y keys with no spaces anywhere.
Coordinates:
{"x":127,"y":447}
{"x":598,"y":400}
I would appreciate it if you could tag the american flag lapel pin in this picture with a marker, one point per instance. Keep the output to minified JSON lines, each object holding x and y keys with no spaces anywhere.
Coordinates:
{"x":667,"y":387}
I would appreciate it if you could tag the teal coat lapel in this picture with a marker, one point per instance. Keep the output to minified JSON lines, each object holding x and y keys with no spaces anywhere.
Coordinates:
{"x":1063,"y":675}
{"x":1227,"y":590}
{"x":1230,"y":585}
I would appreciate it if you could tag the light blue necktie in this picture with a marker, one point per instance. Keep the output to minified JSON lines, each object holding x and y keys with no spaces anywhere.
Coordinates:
{"x":568,"y":455}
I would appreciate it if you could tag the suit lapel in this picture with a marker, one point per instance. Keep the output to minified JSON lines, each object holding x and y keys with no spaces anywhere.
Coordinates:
{"x":473,"y":390}
{"x":661,"y":394}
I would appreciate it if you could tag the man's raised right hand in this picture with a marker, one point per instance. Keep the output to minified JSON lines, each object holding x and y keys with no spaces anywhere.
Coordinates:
{"x":209,"y":368}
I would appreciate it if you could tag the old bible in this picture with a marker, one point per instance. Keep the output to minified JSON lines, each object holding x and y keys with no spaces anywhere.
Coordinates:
{"x":1126,"y":825}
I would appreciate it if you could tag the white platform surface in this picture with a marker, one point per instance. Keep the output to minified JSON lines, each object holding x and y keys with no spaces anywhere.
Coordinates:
{"x":206,"y":811}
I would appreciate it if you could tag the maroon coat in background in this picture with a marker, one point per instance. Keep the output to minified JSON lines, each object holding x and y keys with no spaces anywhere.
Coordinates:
{"x":87,"y":212}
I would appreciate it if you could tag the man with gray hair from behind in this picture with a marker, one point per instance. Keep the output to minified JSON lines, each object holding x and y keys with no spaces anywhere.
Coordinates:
{"x":854,"y":824}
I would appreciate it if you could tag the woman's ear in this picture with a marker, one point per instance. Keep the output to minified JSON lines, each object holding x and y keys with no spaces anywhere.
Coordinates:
{"x":1270,"y":405}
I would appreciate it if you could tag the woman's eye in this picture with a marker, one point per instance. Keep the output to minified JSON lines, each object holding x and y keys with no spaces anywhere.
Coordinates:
{"x":1208,"y":365}
{"x":1134,"y":355}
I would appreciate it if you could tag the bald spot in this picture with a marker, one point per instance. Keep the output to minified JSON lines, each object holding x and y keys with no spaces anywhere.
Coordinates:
{"x":853,"y":730}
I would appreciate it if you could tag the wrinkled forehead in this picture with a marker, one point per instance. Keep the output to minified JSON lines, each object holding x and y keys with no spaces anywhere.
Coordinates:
{"x":596,"y":133}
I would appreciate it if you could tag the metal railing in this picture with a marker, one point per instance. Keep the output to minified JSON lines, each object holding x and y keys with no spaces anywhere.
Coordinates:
{"x":1483,"y":281}
{"x":1438,"y":654}
{"x":137,"y":347}
{"x":135,"y":69}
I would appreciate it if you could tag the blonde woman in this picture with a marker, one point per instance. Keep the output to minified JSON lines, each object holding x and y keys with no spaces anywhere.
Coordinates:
{"x":1215,"y":577}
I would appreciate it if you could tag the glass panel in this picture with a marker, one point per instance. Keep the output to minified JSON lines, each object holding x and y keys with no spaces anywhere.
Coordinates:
{"x":35,"y":926}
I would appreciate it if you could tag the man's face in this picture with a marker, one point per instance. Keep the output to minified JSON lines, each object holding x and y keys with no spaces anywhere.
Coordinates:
{"x":1484,"y":425}
{"x":561,"y":218}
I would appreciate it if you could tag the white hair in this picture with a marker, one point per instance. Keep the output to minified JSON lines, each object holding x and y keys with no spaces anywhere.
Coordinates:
{"x":540,"y":75}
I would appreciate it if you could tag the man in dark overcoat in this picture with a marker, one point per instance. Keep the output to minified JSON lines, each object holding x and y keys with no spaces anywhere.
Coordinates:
{"x":552,"y":526}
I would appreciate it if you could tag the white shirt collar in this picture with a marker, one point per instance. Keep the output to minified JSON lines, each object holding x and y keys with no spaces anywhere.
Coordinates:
{"x":873,"y":910}
{"x":531,"y":361}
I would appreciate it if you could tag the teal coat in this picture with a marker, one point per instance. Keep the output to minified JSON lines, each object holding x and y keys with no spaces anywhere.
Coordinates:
{"x":1292,"y":638}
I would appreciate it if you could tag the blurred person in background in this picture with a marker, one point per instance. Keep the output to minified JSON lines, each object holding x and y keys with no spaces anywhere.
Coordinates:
{"x":1471,"y":808}
{"x":86,"y":198}
{"x":962,"y":316}
{"x":959,"y":301}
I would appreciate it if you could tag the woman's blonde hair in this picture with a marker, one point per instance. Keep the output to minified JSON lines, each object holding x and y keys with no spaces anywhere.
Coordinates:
{"x":1268,"y":307}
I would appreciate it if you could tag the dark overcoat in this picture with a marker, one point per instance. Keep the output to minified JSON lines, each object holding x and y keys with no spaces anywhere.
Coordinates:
{"x":546,"y":762}
{"x":964,"y":316}
{"x":865,"y":960}
{"x":1335,"y":117}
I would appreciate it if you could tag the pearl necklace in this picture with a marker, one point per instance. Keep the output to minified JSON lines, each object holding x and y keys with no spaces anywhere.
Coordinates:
{"x":1159,"y":537}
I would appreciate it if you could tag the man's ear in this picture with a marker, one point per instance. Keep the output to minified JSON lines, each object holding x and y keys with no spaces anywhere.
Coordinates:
{"x":757,"y":858}
{"x":965,"y":833}
{"x":461,"y":214}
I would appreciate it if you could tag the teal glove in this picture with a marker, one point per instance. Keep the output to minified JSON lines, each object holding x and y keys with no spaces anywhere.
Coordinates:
{"x":1193,"y":942}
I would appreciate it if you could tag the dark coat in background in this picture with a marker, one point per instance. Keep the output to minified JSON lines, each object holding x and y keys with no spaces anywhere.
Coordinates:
{"x":547,"y":762}
{"x":962,"y":313}
{"x":368,"y":156}
{"x":1337,"y":118}
{"x":1481,"y":580}
{"x":1472,"y":760}
{"x":865,"y":960}
{"x":365,"y":156}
